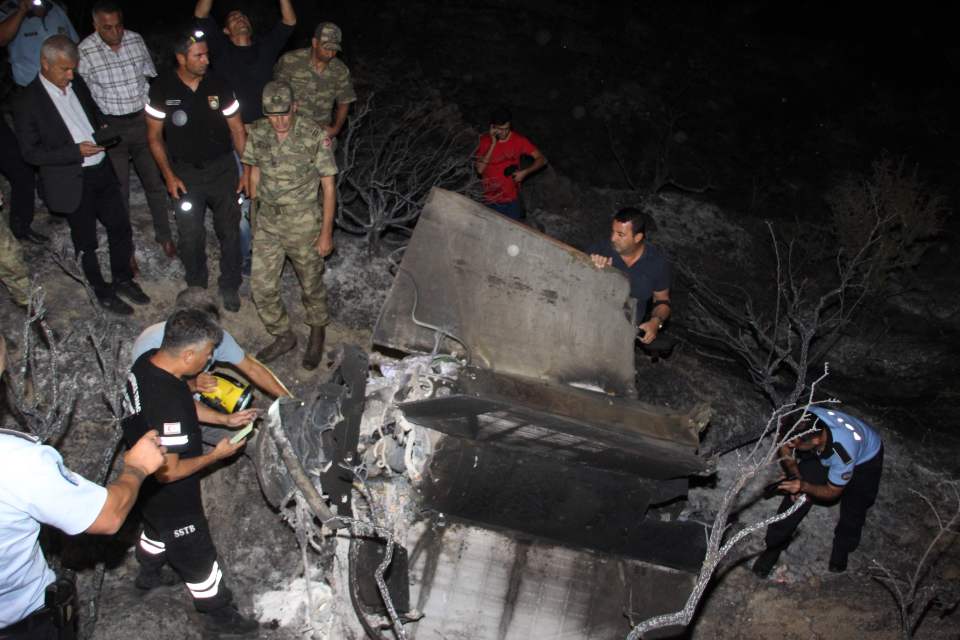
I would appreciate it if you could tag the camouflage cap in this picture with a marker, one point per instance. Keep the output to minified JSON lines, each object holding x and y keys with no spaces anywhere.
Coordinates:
{"x":328,"y":35}
{"x":277,"y":98}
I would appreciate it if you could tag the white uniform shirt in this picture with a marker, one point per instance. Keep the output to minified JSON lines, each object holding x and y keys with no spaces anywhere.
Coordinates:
{"x":35,"y":488}
{"x":117,"y":79}
{"x":70,"y":109}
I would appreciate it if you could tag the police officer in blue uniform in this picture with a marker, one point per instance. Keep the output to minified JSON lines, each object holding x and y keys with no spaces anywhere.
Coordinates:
{"x":24,"y":25}
{"x":36,"y":488}
{"x":840,"y":457}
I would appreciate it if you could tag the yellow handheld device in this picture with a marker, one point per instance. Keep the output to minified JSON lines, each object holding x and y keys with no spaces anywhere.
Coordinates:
{"x":230,"y":396}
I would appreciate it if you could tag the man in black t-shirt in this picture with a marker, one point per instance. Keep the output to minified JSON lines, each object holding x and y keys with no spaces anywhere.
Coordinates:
{"x":244,"y":61}
{"x":175,"y":528}
{"x":194,"y":127}
{"x":647,"y":269}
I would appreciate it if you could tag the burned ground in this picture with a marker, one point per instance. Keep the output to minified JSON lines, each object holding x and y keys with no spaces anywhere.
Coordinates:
{"x":772,"y":152}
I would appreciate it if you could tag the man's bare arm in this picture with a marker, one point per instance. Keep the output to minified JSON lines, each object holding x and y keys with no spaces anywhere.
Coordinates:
{"x":11,"y":24}
{"x":658,"y":315}
{"x":237,"y":132}
{"x":287,"y":15}
{"x":144,"y":458}
{"x":176,"y":468}
{"x":158,"y":149}
{"x":328,"y":188}
{"x":202,"y":10}
{"x":261,"y":377}
{"x":539,"y":161}
{"x":339,"y":119}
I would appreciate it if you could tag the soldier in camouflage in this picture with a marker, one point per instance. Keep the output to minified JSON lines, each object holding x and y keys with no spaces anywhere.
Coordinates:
{"x":319,"y":79}
{"x":13,"y":270}
{"x":286,"y":157}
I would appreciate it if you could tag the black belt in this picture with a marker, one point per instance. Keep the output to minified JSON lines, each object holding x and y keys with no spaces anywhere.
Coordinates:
{"x":126,"y":116}
{"x":203,"y":164}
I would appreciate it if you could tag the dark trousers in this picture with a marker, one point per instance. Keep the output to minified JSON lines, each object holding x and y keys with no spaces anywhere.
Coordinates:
{"x":22,"y":181}
{"x":858,"y":496}
{"x":134,"y":147}
{"x":513,"y":210}
{"x":40,"y":629}
{"x":213,"y":184}
{"x":102,"y":200}
{"x":189,"y":549}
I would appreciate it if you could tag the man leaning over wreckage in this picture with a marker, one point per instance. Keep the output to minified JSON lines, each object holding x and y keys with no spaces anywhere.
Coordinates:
{"x":175,"y":528}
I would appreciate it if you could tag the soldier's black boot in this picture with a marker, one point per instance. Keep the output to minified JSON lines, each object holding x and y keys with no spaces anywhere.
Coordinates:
{"x":765,"y":562}
{"x":314,"y":352}
{"x":282,"y":344}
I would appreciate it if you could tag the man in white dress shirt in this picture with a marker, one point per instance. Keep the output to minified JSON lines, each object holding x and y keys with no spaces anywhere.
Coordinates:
{"x":116,"y":65}
{"x":55,"y":123}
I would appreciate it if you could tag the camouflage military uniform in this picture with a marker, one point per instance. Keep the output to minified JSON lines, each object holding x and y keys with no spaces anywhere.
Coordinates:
{"x":316,"y":93}
{"x":288,"y":218}
{"x":13,"y":270}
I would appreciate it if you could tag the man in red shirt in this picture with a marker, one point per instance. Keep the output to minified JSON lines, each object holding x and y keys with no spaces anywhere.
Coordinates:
{"x":504,"y":160}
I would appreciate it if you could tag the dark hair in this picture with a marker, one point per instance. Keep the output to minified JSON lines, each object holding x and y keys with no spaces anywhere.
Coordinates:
{"x":187,"y":38}
{"x":106,"y":6}
{"x":638,"y":219}
{"x":197,"y":298}
{"x":501,"y":115}
{"x":190,"y":327}
{"x":804,"y":428}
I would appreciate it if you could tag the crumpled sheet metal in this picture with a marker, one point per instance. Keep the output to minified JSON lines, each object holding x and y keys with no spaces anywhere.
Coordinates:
{"x":523,"y":303}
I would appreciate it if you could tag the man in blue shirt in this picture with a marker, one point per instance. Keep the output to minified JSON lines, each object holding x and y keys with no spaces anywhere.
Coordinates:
{"x":840,"y":458}
{"x":647,"y":269}
{"x":23,"y":28}
{"x":37,"y":488}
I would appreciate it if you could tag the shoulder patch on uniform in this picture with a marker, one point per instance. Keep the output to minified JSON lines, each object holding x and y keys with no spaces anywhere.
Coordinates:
{"x":214,"y":102}
{"x":840,"y":451}
{"x":68,"y":475}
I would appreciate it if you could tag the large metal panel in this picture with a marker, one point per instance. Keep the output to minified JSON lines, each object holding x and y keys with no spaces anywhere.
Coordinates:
{"x":569,"y":425}
{"x":478,"y":584}
{"x":522,"y":303}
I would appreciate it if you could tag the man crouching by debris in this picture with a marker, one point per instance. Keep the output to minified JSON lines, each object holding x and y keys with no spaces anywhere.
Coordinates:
{"x":228,"y":351}
{"x":648,"y":271}
{"x":840,"y":457}
{"x":293,"y":157}
{"x":175,"y":527}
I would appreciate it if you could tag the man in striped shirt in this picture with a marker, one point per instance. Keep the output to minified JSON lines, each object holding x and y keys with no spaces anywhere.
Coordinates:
{"x":116,"y":66}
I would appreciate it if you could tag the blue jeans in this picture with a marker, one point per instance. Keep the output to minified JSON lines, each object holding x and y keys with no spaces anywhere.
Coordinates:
{"x":246,"y":242}
{"x":512,"y":210}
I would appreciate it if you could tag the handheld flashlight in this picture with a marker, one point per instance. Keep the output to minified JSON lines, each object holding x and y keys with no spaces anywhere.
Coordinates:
{"x":38,"y":3}
{"x":184,"y":205}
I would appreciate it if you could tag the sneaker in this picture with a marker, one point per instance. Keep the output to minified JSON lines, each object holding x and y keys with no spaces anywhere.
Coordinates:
{"x":109,"y":301}
{"x":231,"y":299}
{"x":131,"y":291}
{"x":227,"y":620}
{"x":148,"y":580}
{"x":763,"y":565}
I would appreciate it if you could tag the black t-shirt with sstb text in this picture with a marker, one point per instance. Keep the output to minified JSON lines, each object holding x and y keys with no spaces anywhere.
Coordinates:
{"x":194,"y":122}
{"x":159,"y":400}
